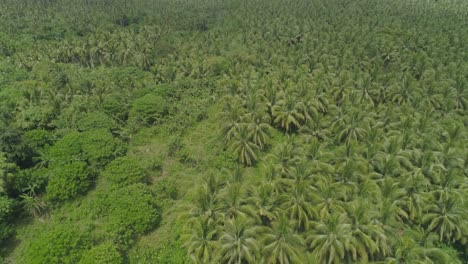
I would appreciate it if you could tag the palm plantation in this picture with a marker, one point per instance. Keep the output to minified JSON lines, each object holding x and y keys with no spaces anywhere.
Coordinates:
{"x":233,"y":132}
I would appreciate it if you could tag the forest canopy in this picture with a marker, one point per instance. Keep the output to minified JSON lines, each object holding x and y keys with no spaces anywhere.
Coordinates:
{"x":211,"y":131}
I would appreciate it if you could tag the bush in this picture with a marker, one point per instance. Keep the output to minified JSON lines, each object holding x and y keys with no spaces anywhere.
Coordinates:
{"x":6,"y":208}
{"x":148,"y":109}
{"x":96,"y":120}
{"x":169,"y":252}
{"x":68,"y":181}
{"x":96,"y":147}
{"x":62,"y":244}
{"x":129,"y":212}
{"x":125,"y":171}
{"x":116,"y":106}
{"x":106,"y":253}
{"x":5,"y":231}
{"x":166,"y":189}
{"x":37,"y":139}
{"x":27,"y":179}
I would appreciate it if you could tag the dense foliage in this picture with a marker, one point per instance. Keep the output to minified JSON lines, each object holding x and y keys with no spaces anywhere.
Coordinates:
{"x":209,"y":131}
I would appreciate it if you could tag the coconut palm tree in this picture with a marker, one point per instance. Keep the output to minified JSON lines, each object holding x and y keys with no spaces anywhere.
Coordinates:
{"x":298,"y":207}
{"x":264,"y":203}
{"x":205,"y":202}
{"x":446,"y":217}
{"x":201,"y":242}
{"x":331,"y":239}
{"x":416,"y":187}
{"x":329,"y":196}
{"x":369,"y":237}
{"x":259,"y":124}
{"x":288,"y":112}
{"x":238,"y":243}
{"x":281,"y":244}
{"x":408,"y":251}
{"x":233,"y":202}
{"x":243,"y":146}
{"x":285,"y":156}
{"x":351,"y":127}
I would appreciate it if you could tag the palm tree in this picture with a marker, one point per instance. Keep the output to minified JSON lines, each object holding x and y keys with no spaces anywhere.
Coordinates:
{"x":205,"y":202}
{"x":273,"y":178}
{"x":408,"y":251}
{"x":318,"y":157}
{"x":329,"y":196}
{"x":33,"y":204}
{"x":416,"y":187}
{"x":331,"y":239}
{"x":243,"y":146}
{"x":233,"y":203}
{"x":201,"y":243}
{"x":391,"y":208}
{"x":288,"y":113}
{"x":298,"y":207}
{"x":238,"y":244}
{"x":281,"y":244}
{"x":233,"y":116}
{"x":317,"y":127}
{"x":285,"y":156}
{"x":366,"y":188}
{"x":447,"y":217}
{"x":370,"y":239}
{"x":351,"y":127}
{"x":258,"y":123}
{"x":403,"y":92}
{"x":263,"y":203}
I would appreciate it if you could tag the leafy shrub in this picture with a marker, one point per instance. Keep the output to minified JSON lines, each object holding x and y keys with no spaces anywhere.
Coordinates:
{"x":217,"y":65}
{"x":61,"y":244}
{"x":115,"y":106}
{"x":148,"y":109}
{"x":106,"y":253}
{"x":96,"y":120}
{"x":67,"y":181}
{"x":6,"y":208}
{"x":129,"y":212}
{"x":28,"y":179}
{"x":37,"y":139}
{"x":166,"y":189}
{"x":96,"y":147}
{"x":168,"y":253}
{"x":125,"y":171}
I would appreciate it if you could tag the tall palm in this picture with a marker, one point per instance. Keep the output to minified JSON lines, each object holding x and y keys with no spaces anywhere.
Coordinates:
{"x":330,"y":239}
{"x":264,"y":203}
{"x":232,"y":117}
{"x":318,"y":157}
{"x":408,"y":251}
{"x":447,"y":217}
{"x":258,"y":123}
{"x":273,"y":178}
{"x":351,"y":127}
{"x":317,"y":127}
{"x":233,"y":203}
{"x":285,"y":156}
{"x":416,"y":187}
{"x":370,"y":239}
{"x":238,"y":242}
{"x":205,"y":202}
{"x":201,"y":243}
{"x":329,"y":196}
{"x":281,"y":244}
{"x":243,"y":146}
{"x":288,"y":113}
{"x":298,"y":207}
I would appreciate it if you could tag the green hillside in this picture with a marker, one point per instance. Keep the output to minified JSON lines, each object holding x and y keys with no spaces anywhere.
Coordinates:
{"x":233,"y":132}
